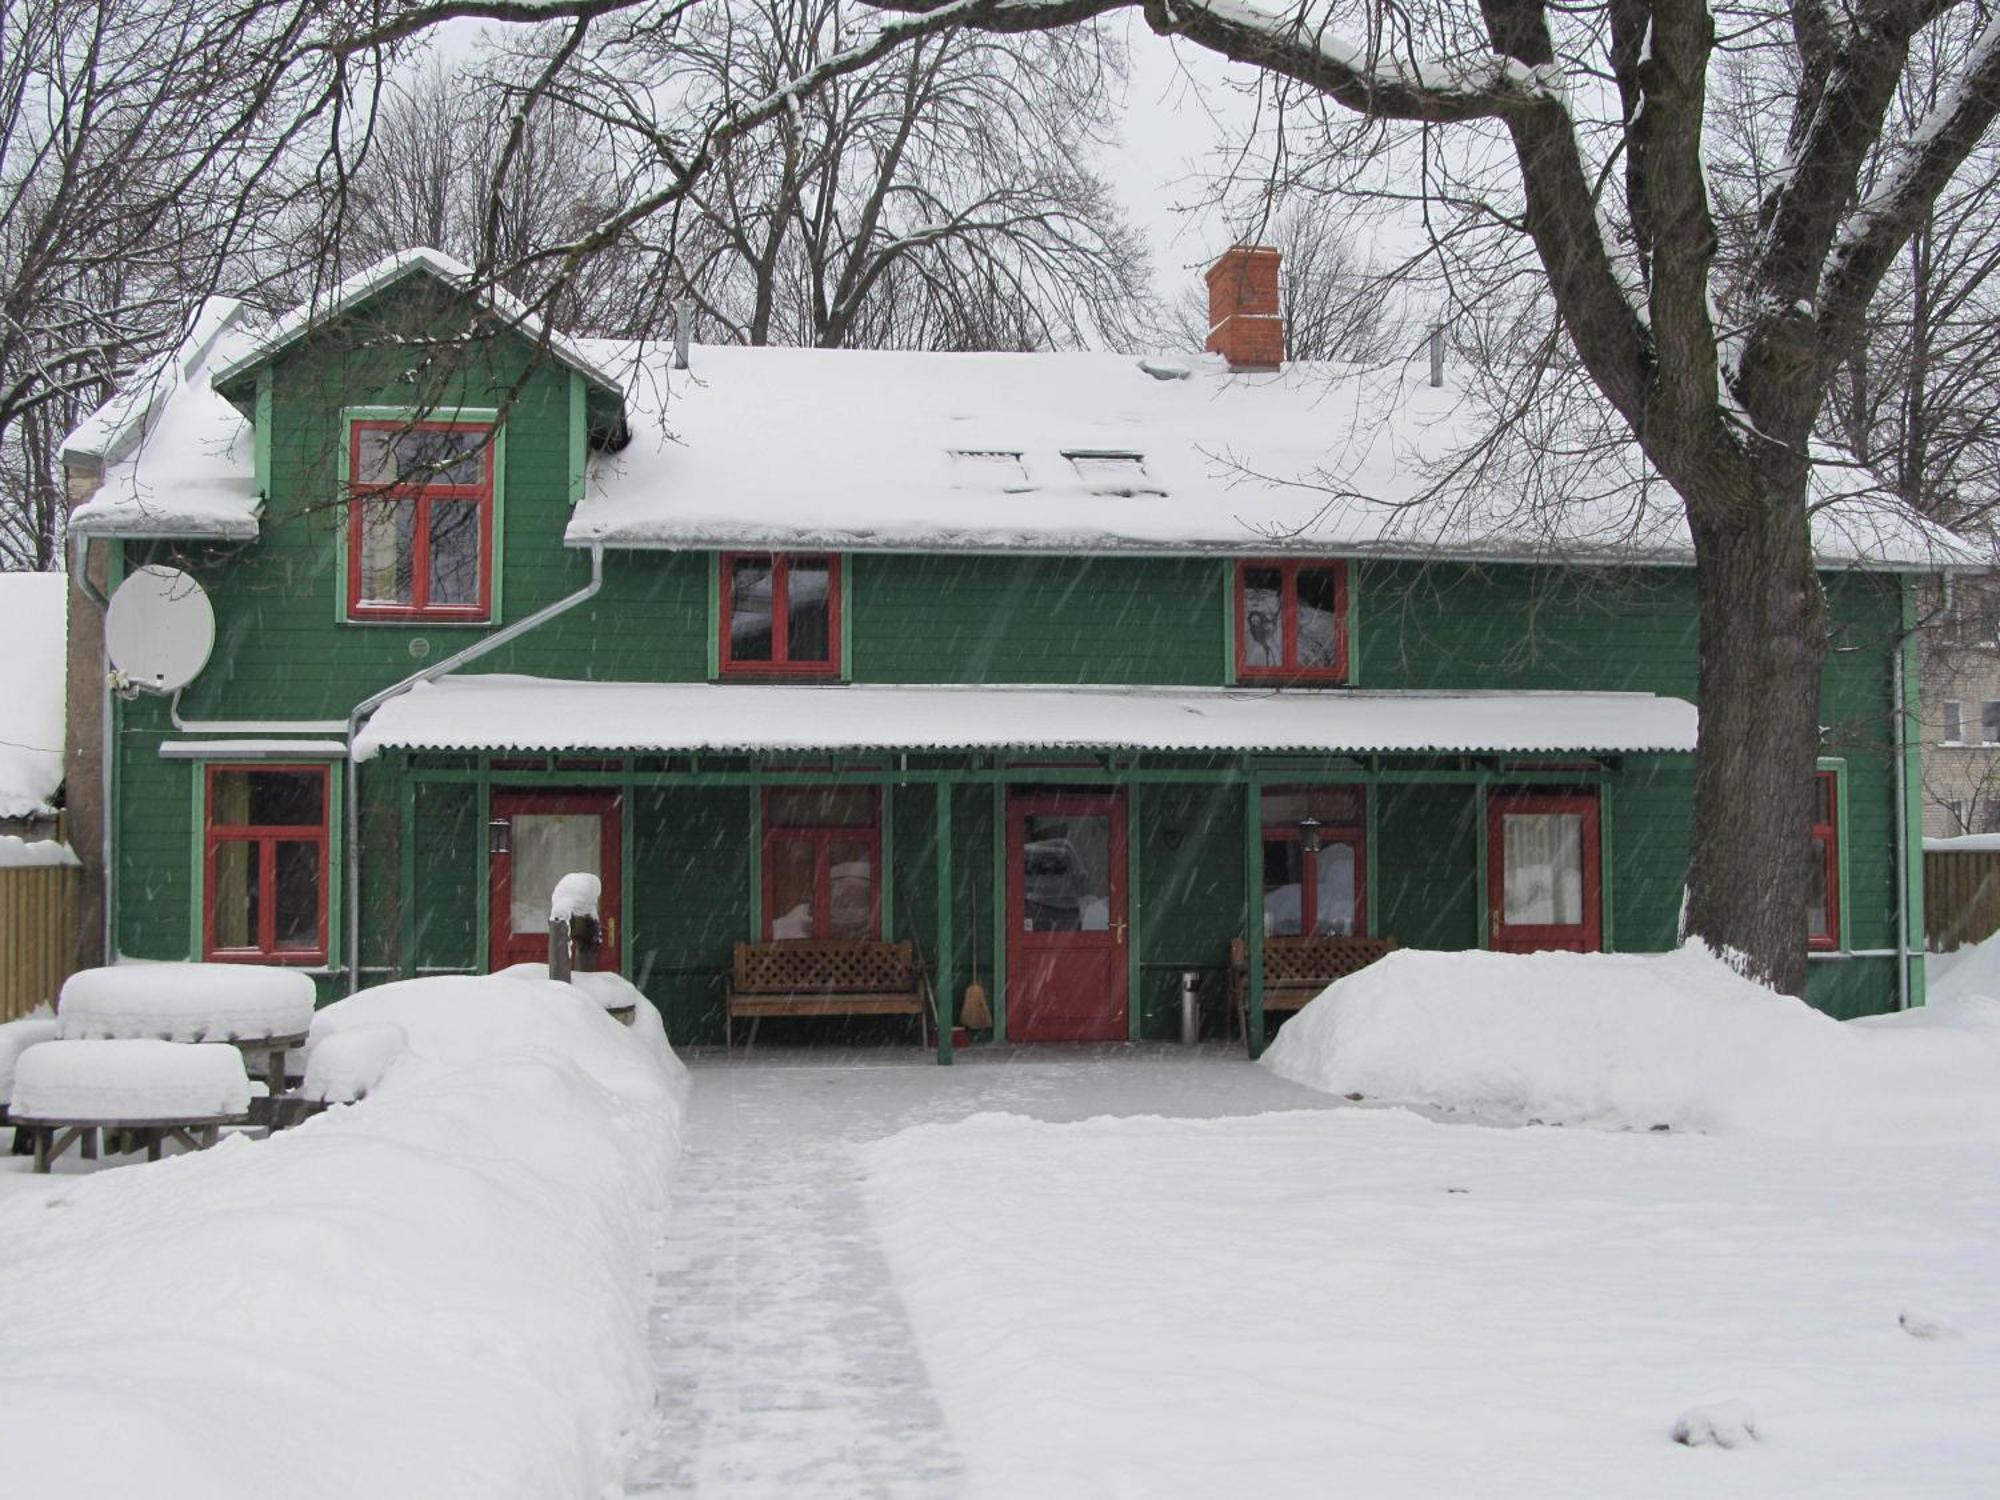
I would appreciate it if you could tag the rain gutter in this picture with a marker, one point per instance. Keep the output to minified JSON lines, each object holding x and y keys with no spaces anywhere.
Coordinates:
{"x":351,"y":812}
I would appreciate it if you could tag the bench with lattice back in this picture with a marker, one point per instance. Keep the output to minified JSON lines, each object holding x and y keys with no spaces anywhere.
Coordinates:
{"x":826,"y":977}
{"x":1297,"y":968}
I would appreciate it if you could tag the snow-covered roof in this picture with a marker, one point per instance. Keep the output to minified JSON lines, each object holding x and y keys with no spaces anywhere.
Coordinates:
{"x":357,"y":288}
{"x":174,"y":459}
{"x":504,"y":712}
{"x":861,"y":449}
{"x":34,"y":622}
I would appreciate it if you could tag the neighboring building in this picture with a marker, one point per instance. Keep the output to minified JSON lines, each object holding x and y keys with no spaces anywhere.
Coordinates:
{"x":32,"y":607}
{"x":1961,"y":709}
{"x":1021,"y":656}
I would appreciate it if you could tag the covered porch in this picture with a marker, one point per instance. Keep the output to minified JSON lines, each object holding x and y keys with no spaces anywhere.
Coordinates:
{"x":1077,"y":851}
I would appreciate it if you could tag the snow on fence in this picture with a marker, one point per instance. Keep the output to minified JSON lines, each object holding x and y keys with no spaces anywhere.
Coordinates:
{"x":38,"y":901}
{"x":1961,"y":896}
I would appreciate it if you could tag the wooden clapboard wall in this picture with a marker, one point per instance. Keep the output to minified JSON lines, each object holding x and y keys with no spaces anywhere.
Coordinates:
{"x":1961,"y":896}
{"x":37,"y":935}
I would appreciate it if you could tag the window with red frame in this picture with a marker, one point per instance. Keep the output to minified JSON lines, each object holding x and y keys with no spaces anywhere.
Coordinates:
{"x":1291,"y":621}
{"x":265,"y":874}
{"x":1823,"y":902}
{"x":822,"y":863}
{"x":1315,"y":862}
{"x":780,"y":614}
{"x":420,"y":521}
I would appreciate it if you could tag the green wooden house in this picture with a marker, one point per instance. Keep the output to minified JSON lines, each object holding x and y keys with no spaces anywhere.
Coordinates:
{"x":1068,"y":670}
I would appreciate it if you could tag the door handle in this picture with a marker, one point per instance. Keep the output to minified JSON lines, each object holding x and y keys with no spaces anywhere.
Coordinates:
{"x":1118,"y":927}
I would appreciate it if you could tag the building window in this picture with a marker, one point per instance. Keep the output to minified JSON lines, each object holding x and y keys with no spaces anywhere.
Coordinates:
{"x":1954,"y":724}
{"x":822,"y":863}
{"x":1315,"y":862}
{"x":780,"y":615}
{"x":420,"y":521}
{"x":1954,"y":811}
{"x":265,"y":865}
{"x":1823,"y":902}
{"x":1291,"y":621}
{"x":1989,"y":723}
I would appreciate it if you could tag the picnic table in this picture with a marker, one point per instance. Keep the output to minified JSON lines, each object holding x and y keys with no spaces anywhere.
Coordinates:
{"x":52,"y":1138}
{"x":263,"y":1010}
{"x":143,"y":1090}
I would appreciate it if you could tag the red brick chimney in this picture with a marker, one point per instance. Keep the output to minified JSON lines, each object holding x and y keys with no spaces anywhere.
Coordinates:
{"x":1244,"y":324}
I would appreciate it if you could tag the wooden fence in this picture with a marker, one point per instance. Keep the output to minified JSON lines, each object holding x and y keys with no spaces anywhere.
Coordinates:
{"x":1961,"y":897}
{"x":37,"y":934}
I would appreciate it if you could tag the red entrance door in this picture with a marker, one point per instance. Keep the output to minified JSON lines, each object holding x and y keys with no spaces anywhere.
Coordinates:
{"x":549,"y":835}
{"x":1542,"y":873}
{"x":1066,"y":950}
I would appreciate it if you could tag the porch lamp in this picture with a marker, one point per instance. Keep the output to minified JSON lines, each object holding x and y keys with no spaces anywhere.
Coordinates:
{"x":1309,"y":834}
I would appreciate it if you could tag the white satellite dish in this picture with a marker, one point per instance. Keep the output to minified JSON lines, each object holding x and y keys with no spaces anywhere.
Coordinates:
{"x":159,"y":629}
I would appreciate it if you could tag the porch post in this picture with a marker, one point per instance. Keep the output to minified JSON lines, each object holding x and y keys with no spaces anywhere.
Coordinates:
{"x":941,"y":981}
{"x":406,"y":917}
{"x":1253,"y":908}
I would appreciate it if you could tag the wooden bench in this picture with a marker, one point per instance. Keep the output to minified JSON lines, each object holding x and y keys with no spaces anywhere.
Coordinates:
{"x":1296,"y":969}
{"x":826,"y":977}
{"x":53,"y":1137}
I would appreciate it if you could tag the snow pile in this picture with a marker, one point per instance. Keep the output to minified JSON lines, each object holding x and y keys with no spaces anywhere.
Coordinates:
{"x":440,"y":1292}
{"x":576,"y":895}
{"x":1636,"y":1041}
{"x":130,"y":1080}
{"x":17,"y":853}
{"x":1727,"y":1424}
{"x":34,"y":622}
{"x":1969,"y":973}
{"x":1964,"y":843}
{"x":186,"y":1002}
{"x":351,"y":1062}
{"x":612,"y":991}
{"x":15,"y":1038}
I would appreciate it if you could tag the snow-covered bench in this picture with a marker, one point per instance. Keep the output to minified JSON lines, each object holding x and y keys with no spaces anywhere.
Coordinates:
{"x":1296,"y":969}
{"x":15,"y":1038}
{"x":151,"y":1090}
{"x":261,"y":1009}
{"x":826,"y":977}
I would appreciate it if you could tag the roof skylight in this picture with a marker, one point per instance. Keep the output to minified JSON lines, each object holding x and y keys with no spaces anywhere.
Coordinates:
{"x":990,"y":466}
{"x":1112,"y":473}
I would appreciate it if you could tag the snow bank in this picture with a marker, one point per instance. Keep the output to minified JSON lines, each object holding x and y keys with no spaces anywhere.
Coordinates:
{"x":351,"y":1062}
{"x":186,"y":1002}
{"x":440,"y":1292}
{"x":612,"y":991}
{"x":1634,"y":1041}
{"x":15,"y":1038}
{"x":17,"y":853}
{"x":129,"y":1080}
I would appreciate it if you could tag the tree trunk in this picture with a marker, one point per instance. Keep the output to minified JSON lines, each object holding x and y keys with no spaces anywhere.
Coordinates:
{"x":1763,"y":641}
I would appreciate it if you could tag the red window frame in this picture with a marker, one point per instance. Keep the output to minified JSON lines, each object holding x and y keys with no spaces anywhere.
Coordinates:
{"x":821,"y":836}
{"x":1291,"y":671}
{"x":1826,"y":831}
{"x":1355,"y":837}
{"x":266,"y":837}
{"x":780,"y":664}
{"x":423,"y":497}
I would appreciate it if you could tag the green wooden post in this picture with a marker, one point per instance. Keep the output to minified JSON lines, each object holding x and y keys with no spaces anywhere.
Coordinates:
{"x":946,"y":1011}
{"x":886,"y":811}
{"x":756,"y":863}
{"x":483,"y":887}
{"x":1253,"y":908}
{"x":1134,"y":977}
{"x":1000,"y":933}
{"x":1481,"y":854}
{"x":1914,"y":925}
{"x":406,"y":934}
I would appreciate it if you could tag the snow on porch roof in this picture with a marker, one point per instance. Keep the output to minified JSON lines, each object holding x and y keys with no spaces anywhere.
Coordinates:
{"x":499,"y":712}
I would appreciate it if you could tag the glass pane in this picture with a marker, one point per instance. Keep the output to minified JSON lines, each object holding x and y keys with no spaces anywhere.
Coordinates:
{"x":295,"y":898}
{"x":1066,"y":874}
{"x":1818,"y":923}
{"x":235,"y":895}
{"x":388,"y":551}
{"x":1263,"y":617}
{"x":820,"y":807}
{"x":792,"y":887}
{"x":1334,"y":806}
{"x":1333,"y":916}
{"x":267,"y":799}
{"x":1954,"y":726}
{"x":1542,"y":871}
{"x":546,"y":847}
{"x":1316,"y":617}
{"x":1284,"y":880}
{"x":808,"y":612}
{"x":750,"y":609}
{"x":1823,"y":800}
{"x":454,"y":552}
{"x":850,"y":879}
{"x":391,"y":455}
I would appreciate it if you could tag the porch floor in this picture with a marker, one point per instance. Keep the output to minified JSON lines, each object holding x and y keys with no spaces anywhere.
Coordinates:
{"x":785,"y":1362}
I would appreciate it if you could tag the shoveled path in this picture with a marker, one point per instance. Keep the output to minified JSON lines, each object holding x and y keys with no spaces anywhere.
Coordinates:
{"x":785,"y":1362}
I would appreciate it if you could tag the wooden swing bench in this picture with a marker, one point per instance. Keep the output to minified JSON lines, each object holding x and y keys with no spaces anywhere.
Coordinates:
{"x":826,"y":977}
{"x":1296,"y":969}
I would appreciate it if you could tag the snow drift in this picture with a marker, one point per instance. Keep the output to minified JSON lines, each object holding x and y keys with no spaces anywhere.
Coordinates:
{"x":438,"y":1292}
{"x":1637,"y":1041}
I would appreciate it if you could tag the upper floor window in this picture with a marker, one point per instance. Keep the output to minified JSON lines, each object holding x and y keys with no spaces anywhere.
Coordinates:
{"x":1291,"y":621}
{"x":780,"y":615}
{"x":822,"y":863}
{"x":1315,"y":846}
{"x":265,"y":867}
{"x":1823,"y":900}
{"x":1989,"y":723}
{"x":1954,"y":725}
{"x":420,"y":521}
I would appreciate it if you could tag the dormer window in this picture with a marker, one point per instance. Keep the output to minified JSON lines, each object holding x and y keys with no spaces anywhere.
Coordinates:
{"x":420,"y":520}
{"x":1291,"y":621}
{"x":780,"y":614}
